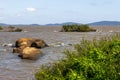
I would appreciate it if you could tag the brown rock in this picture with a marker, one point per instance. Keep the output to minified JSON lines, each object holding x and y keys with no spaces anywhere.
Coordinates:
{"x":39,"y":43}
{"x":24,"y":42}
{"x":28,"y":47}
{"x":30,"y":53}
{"x":18,"y":50}
{"x":30,"y":42}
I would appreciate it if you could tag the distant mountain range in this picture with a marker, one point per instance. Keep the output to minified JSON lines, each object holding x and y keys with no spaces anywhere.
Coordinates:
{"x":3,"y":24}
{"x":100,"y":23}
{"x":105,"y":23}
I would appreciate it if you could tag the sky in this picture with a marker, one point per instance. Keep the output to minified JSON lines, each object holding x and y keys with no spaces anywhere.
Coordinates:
{"x":58,"y":11}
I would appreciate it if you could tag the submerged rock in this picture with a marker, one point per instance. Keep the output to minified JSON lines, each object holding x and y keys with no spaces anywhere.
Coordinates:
{"x":59,"y":44}
{"x":8,"y":44}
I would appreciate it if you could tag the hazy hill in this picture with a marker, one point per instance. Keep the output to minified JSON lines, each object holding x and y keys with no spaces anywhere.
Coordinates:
{"x":105,"y":23}
{"x":100,"y":23}
{"x":3,"y":24}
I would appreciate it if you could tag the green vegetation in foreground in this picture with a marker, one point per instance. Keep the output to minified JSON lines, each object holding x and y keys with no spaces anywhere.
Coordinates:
{"x":91,"y":60}
{"x":77,"y":28}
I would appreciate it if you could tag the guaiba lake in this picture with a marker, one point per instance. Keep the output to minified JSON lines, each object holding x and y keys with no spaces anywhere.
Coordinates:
{"x":14,"y":68}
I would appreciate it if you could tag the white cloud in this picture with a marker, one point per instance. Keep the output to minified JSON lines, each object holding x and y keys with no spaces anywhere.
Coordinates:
{"x":31,"y":9}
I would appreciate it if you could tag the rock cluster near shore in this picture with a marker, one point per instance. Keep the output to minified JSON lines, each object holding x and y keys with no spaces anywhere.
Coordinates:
{"x":29,"y":48}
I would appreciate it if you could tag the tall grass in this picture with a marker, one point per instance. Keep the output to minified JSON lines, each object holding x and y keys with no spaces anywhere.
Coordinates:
{"x":91,"y":60}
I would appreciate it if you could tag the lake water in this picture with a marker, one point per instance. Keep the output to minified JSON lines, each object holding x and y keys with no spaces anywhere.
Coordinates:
{"x":14,"y":68}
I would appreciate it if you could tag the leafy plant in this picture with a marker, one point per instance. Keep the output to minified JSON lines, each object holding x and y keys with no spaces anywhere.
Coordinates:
{"x":11,"y":27}
{"x":91,"y":60}
{"x":77,"y":28}
{"x":14,"y":29}
{"x":1,"y":28}
{"x":17,"y":30}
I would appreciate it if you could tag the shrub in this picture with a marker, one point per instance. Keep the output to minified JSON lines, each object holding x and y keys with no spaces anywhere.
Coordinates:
{"x":13,"y":29}
{"x":96,"y":60}
{"x":1,"y":28}
{"x":17,"y":30}
{"x":76,"y":28}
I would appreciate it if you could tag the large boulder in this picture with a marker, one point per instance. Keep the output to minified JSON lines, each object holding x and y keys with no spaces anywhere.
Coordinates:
{"x":30,"y":53}
{"x":28,"y":48}
{"x":30,"y":42}
{"x":39,"y":43}
{"x":24,"y":42}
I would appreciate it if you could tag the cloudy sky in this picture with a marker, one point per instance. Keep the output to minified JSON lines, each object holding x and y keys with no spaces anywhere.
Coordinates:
{"x":58,"y":11}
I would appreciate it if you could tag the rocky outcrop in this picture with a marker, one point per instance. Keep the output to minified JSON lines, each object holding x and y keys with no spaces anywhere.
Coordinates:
{"x":24,"y":42}
{"x":30,"y":42}
{"x":39,"y":43}
{"x":29,"y":48}
{"x":30,"y":53}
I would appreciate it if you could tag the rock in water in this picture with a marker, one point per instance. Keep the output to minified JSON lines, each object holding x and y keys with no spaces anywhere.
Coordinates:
{"x":30,"y":42}
{"x":39,"y":43}
{"x":8,"y":44}
{"x":26,"y":42}
{"x":30,"y":53}
{"x":28,"y":48}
